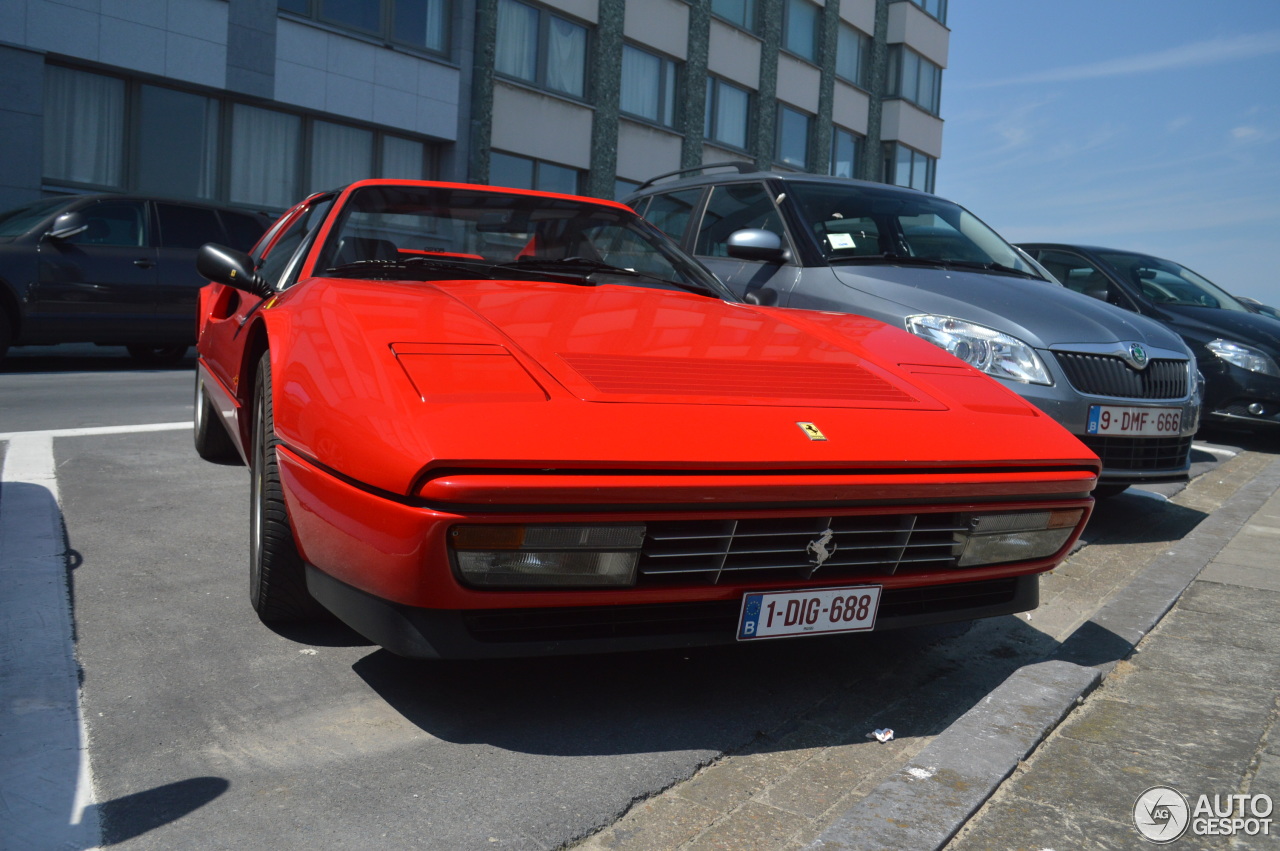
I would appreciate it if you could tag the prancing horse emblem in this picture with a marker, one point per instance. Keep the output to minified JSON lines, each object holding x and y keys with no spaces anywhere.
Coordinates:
{"x":821,"y":549}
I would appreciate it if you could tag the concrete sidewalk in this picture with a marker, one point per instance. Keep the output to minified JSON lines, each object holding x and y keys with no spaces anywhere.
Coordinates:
{"x":1191,"y":706}
{"x":1195,"y":710}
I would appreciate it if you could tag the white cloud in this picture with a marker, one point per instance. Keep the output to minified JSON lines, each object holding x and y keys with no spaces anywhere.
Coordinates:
{"x":1246,"y":134}
{"x":1212,"y":52}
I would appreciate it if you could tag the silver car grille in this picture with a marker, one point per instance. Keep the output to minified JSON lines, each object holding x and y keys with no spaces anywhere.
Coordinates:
{"x":1107,"y":375}
{"x":712,"y":551}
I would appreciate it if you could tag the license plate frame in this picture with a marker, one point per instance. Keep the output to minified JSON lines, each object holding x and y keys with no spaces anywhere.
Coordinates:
{"x":793,"y":610}
{"x":1133,"y":421}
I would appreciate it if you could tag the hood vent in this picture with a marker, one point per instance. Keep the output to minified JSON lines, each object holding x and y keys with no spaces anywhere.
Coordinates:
{"x":624,"y":375}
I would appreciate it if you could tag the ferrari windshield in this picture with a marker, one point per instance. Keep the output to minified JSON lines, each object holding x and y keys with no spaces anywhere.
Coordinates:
{"x":431,"y":232}
{"x":859,"y":224}
{"x":1166,"y":282}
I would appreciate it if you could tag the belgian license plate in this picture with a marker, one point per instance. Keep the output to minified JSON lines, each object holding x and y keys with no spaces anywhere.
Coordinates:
{"x":1134,"y":422}
{"x":784,"y":614}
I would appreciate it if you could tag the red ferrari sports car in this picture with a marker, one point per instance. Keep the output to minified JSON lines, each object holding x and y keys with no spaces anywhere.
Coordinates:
{"x":494,"y":422}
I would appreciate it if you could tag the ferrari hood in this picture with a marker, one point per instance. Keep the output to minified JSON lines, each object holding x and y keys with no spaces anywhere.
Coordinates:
{"x":407,"y":378}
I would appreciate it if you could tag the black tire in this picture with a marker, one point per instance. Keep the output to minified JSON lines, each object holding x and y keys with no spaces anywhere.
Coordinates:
{"x":6,"y":333}
{"x":158,"y":355}
{"x":277,"y":580}
{"x":212,"y":441}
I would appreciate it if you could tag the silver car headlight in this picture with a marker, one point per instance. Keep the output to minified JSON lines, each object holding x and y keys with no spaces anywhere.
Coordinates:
{"x":984,"y":348}
{"x":1245,"y":357}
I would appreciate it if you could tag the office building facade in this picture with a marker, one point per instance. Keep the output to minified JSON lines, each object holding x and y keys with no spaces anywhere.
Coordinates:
{"x":258,"y":102}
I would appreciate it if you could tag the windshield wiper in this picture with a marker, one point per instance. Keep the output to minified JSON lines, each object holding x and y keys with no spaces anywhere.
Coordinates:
{"x":889,"y":257}
{"x":359,"y":268}
{"x":588,"y":267}
{"x":993,"y":266}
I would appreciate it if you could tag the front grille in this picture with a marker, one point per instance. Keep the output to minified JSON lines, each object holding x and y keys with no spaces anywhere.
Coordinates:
{"x":604,"y":622}
{"x":713,"y":551}
{"x":1140,"y":453}
{"x":1105,"y":375}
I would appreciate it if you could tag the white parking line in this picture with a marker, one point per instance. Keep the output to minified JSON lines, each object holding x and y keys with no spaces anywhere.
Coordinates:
{"x":92,"y":431}
{"x":1216,"y":450}
{"x":46,"y":782}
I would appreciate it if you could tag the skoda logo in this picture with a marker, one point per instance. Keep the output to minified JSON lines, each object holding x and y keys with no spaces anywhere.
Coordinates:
{"x":1137,"y":356}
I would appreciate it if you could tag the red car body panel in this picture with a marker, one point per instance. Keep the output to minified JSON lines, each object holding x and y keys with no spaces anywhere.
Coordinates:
{"x":405,"y":407}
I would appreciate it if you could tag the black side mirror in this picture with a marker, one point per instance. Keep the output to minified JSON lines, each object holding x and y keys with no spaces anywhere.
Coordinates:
{"x":67,"y":225}
{"x":224,"y":265}
{"x":761,"y":297}
{"x":757,"y":244}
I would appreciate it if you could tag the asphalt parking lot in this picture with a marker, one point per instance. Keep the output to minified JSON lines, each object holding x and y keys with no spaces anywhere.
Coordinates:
{"x":207,"y":729}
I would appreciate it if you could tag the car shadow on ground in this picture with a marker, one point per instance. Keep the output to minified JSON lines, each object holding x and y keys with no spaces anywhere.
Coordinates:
{"x":79,"y":357}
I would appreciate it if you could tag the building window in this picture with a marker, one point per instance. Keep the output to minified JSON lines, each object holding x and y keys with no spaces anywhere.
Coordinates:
{"x":623,"y":187}
{"x":741,"y":13}
{"x":418,"y":23}
{"x":915,"y":78}
{"x":104,"y":132}
{"x":648,"y":86}
{"x":83,"y":127}
{"x":528,"y":173}
{"x":728,"y":111}
{"x":937,"y":8}
{"x":793,"y":137}
{"x":541,"y":48}
{"x":177,"y":143}
{"x":853,"y":53}
{"x":340,"y":154}
{"x":264,"y":157}
{"x":800,"y":29}
{"x":906,"y":167}
{"x":846,"y":153}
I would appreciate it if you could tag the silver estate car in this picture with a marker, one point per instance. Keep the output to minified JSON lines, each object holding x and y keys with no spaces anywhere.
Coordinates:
{"x":1125,"y":385}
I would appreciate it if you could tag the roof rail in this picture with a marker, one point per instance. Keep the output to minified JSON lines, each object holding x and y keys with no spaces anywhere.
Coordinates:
{"x":742,"y":168}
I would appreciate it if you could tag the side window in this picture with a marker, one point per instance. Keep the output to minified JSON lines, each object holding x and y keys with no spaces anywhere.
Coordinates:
{"x":242,"y":230}
{"x":670,"y":211}
{"x":1076,"y":273}
{"x":113,"y":223}
{"x":187,"y":227}
{"x":276,"y":268}
{"x":734,"y":207}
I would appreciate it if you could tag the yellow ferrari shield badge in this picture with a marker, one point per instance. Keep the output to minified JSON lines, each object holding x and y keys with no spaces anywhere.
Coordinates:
{"x":812,"y":431}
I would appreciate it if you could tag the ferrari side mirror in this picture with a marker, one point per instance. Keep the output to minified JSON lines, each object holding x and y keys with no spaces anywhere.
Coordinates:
{"x":224,"y":265}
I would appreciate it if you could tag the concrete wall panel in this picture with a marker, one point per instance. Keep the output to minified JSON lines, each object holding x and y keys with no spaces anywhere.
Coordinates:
{"x":913,"y":127}
{"x":910,"y":25}
{"x":660,"y":24}
{"x":644,"y":151}
{"x":851,"y":108}
{"x":734,"y":55}
{"x":546,"y":127}
{"x":799,"y":83}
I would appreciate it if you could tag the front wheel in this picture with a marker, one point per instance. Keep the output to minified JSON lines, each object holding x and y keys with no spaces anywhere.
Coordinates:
{"x":277,"y":579}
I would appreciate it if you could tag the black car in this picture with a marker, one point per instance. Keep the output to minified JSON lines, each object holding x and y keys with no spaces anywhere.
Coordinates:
{"x":110,"y":269}
{"x":1236,"y":346}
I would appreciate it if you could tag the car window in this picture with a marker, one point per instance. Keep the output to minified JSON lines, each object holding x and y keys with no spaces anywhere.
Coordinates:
{"x":19,"y":220}
{"x":733,"y":207}
{"x":113,"y":223}
{"x":276,"y":269}
{"x":670,"y":211}
{"x":188,"y":227}
{"x":242,"y":230}
{"x":846,"y":218}
{"x":1166,"y":282}
{"x":1076,"y":273}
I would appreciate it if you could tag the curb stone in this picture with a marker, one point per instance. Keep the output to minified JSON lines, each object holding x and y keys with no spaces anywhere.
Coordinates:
{"x":926,"y":803}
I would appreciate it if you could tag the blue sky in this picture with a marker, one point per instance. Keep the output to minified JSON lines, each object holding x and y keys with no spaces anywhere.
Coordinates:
{"x":1151,"y":125}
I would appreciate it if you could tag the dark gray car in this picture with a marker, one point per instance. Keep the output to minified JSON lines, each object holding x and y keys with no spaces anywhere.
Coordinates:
{"x":110,"y":269}
{"x":1126,"y":386}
